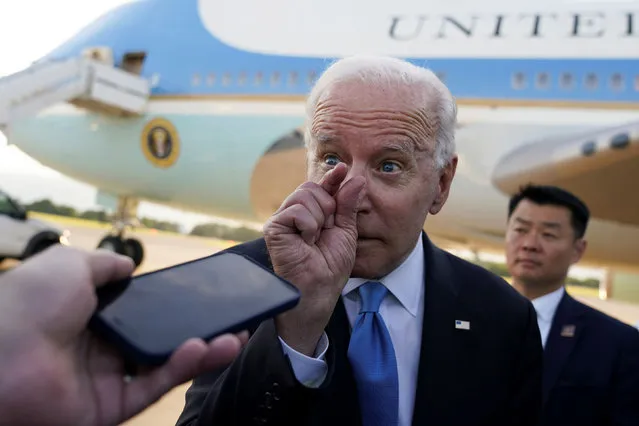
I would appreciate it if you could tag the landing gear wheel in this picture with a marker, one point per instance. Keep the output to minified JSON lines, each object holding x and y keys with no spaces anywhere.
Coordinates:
{"x":133,"y":248}
{"x":112,"y":243}
{"x":124,"y":219}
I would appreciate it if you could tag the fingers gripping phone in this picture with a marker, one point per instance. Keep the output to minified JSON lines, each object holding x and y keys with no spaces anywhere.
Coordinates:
{"x":149,"y":316}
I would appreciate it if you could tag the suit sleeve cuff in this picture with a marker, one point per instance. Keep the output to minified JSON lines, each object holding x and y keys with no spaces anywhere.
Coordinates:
{"x":310,"y":372}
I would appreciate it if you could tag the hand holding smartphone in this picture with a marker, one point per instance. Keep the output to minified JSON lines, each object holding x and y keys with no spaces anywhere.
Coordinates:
{"x":149,"y":316}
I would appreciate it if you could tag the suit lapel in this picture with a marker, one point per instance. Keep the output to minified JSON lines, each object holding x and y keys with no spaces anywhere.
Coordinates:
{"x":567,"y":326}
{"x":442,"y":343}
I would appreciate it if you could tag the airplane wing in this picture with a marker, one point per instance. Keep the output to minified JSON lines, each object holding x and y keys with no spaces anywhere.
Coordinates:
{"x":599,"y":167}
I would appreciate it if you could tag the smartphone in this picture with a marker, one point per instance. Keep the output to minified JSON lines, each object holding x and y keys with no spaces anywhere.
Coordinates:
{"x":148,"y":316}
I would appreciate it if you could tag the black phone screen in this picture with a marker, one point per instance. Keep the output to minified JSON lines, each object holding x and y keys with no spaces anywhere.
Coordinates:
{"x":152,"y":314}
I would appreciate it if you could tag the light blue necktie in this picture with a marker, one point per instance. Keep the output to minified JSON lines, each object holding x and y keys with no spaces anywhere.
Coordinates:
{"x":372,"y":358}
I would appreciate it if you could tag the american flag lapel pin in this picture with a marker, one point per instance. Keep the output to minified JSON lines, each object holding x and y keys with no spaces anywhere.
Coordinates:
{"x":462,"y":325}
{"x":568,"y":331}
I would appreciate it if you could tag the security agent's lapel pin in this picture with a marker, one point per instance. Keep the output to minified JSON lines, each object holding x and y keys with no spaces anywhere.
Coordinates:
{"x":462,"y":325}
{"x":568,"y":331}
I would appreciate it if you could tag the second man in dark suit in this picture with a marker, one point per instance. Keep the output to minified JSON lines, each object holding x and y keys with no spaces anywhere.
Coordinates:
{"x":390,"y":329}
{"x":591,"y":360}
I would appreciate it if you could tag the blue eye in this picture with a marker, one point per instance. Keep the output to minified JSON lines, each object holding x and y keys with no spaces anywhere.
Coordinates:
{"x":388,"y":167}
{"x":331,"y":160}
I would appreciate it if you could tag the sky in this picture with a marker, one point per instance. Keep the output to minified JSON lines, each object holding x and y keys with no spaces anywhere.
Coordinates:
{"x":29,"y":29}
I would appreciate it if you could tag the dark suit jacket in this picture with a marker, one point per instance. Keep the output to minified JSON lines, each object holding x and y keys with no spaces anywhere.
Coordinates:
{"x":489,"y":375}
{"x":591,"y":369}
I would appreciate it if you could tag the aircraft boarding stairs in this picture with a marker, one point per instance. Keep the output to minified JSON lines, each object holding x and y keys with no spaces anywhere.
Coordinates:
{"x":85,"y":82}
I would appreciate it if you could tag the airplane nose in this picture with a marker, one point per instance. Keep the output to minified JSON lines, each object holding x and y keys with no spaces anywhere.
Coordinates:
{"x":277,"y":173}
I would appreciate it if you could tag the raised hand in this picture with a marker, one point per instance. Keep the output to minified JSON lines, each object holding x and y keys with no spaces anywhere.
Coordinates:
{"x":312,"y":241}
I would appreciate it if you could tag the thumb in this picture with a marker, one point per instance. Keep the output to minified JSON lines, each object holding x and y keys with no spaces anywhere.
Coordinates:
{"x":106,"y":266}
{"x":348,"y":199}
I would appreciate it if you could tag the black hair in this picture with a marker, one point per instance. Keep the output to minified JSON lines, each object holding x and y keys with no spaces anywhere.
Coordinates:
{"x":553,"y":195}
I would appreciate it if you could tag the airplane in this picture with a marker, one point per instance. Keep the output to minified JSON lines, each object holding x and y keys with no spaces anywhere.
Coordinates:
{"x":199,"y":105}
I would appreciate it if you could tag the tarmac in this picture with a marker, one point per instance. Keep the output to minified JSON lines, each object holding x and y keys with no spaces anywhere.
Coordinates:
{"x":162,"y":250}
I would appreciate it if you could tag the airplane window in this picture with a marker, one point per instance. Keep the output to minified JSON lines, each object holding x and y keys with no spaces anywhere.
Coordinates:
{"x":591,"y":81}
{"x":566,"y":81}
{"x":616,"y":82}
{"x":226,"y":79}
{"x":543,"y":80}
{"x":637,"y":83}
{"x":210,"y":79}
{"x":519,"y":80}
{"x":311,"y":77}
{"x":196,"y":80}
{"x":292,"y":78}
{"x":275,"y":78}
{"x":258,"y":78}
{"x":241,"y":80}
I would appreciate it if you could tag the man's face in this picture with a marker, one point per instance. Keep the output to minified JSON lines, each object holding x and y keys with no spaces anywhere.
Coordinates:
{"x":541,"y":244}
{"x":382,"y":136}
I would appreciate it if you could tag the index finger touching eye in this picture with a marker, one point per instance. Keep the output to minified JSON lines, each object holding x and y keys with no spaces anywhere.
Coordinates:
{"x":332,"y":180}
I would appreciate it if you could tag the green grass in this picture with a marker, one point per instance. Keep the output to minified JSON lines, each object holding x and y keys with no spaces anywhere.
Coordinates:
{"x":71,"y":221}
{"x":86,"y":223}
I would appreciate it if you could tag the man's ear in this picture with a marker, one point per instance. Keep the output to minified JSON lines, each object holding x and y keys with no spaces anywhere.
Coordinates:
{"x":579,"y":249}
{"x":446,"y":176}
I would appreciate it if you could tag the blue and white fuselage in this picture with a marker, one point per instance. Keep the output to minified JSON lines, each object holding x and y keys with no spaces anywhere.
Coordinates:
{"x":231,"y":78}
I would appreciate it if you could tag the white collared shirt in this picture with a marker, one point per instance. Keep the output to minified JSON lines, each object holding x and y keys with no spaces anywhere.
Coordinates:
{"x":402,"y":310}
{"x":546,"y":306}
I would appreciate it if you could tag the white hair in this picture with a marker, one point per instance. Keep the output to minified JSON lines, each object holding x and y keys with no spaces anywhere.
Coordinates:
{"x":433,"y":95}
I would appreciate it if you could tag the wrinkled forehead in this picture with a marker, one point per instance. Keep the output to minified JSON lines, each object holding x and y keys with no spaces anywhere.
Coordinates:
{"x":398,"y":111}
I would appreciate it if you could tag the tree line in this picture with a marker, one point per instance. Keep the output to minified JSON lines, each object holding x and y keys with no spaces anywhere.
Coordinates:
{"x":223,"y":232}
{"x":212,"y":230}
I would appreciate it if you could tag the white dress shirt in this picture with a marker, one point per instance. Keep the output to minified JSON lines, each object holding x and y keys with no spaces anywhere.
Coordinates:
{"x":546,"y":306}
{"x":402,"y":310}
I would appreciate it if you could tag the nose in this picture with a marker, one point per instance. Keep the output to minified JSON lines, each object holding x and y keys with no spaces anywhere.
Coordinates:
{"x":531,"y":242}
{"x":356,"y":168}
{"x":359,"y":169}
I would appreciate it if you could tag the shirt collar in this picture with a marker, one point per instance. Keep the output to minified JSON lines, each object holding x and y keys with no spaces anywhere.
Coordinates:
{"x":405,"y":282}
{"x":546,"y":305}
